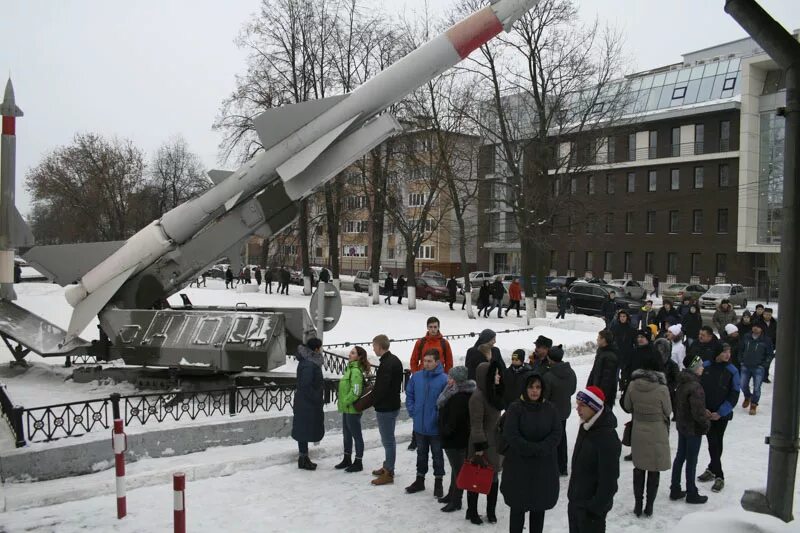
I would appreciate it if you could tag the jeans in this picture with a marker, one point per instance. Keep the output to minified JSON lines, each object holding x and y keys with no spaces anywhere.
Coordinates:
{"x":267,"y":287}
{"x":497,"y":303}
{"x":561,"y":313}
{"x":351,"y":431}
{"x":456,"y":458}
{"x":580,"y":521}
{"x":434,"y":443}
{"x":715,"y":435}
{"x":688,"y":450}
{"x":517,"y":521}
{"x":302,"y":447}
{"x":758,"y":376}
{"x":513,"y":304}
{"x":561,"y":451}
{"x":386,"y":423}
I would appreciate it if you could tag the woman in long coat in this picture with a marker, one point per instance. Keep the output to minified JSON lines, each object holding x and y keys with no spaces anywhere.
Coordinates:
{"x":308,"y":423}
{"x":484,"y":412}
{"x":532,"y":430}
{"x":647,"y":398}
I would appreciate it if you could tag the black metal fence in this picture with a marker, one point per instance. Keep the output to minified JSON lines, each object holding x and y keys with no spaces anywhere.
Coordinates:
{"x":12,"y":415}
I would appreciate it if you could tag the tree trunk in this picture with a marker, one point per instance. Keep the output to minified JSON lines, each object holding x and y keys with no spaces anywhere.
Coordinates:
{"x":378,"y":215}
{"x":333,"y":199}
{"x":412,"y":278}
{"x":263,"y":261}
{"x":305,"y":264}
{"x":528,"y":252}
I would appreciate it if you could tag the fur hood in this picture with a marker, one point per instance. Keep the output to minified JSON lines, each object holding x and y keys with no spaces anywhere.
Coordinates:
{"x":649,"y":375}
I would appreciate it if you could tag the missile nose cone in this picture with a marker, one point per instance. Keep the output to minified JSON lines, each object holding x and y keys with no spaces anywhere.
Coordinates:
{"x":510,"y":11}
{"x":8,"y":108}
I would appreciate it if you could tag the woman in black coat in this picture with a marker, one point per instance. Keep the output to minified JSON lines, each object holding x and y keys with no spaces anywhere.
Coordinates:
{"x":691,"y":324}
{"x":484,"y":294}
{"x":453,"y":405}
{"x":530,"y":483}
{"x":308,"y":423}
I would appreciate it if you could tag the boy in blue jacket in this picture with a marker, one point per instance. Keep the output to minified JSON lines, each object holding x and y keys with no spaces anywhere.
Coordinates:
{"x":422,"y":391}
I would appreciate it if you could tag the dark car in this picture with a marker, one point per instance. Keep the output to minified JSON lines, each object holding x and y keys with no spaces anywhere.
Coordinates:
{"x":556,"y":283}
{"x":588,"y":298}
{"x":431,"y":289}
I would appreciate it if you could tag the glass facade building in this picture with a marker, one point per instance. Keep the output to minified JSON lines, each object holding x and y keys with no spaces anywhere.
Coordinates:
{"x":770,"y":178}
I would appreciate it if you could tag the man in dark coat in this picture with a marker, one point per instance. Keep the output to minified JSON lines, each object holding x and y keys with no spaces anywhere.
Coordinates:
{"x":258,"y":276}
{"x":562,"y":301}
{"x":401,"y":288}
{"x":388,"y":289}
{"x":18,"y":273}
{"x":452,"y":290}
{"x":325,"y":276}
{"x":605,"y":368}
{"x":268,"y":275}
{"x":691,"y":324}
{"x":560,"y":384}
{"x":386,"y":400}
{"x":667,"y":316}
{"x":624,"y":339}
{"x":643,"y":352}
{"x":771,"y":331}
{"x":475,"y":357}
{"x":595,"y":464}
{"x":707,"y":347}
{"x":514,"y":376}
{"x":656,"y":284}
{"x":755,"y":354}
{"x":610,"y":308}
{"x":286,"y":277}
{"x":308,"y":423}
{"x":229,"y":278}
{"x":541,"y":349}
{"x":497,"y":291}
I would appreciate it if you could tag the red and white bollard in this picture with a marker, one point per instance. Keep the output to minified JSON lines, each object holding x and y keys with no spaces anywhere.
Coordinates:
{"x":120,"y":443}
{"x":179,"y":496}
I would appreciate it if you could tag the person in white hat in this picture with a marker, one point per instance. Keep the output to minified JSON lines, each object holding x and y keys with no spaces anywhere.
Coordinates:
{"x":675,"y":335}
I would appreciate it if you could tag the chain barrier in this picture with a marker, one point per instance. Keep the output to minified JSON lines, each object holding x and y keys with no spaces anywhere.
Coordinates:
{"x":414,"y":339}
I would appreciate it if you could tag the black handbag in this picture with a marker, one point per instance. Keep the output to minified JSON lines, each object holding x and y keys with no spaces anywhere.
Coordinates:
{"x":626,"y":433}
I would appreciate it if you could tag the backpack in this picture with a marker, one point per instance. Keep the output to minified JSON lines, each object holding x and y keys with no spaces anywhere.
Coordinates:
{"x":441,"y":355}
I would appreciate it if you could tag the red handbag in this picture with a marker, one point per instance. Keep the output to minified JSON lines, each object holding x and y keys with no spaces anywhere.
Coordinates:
{"x":476,"y":476}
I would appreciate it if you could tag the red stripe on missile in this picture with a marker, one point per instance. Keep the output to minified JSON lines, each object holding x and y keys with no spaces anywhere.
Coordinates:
{"x":8,"y":125}
{"x":469,"y":34}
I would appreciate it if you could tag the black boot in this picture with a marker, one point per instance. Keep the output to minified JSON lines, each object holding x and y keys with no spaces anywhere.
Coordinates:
{"x":413,"y":444}
{"x":676,"y":494}
{"x":417,"y":486}
{"x":447,"y":497}
{"x":438,"y":489}
{"x":304,"y":463}
{"x":345,"y":463}
{"x":472,"y":509}
{"x":491,"y":504}
{"x":454,"y":504}
{"x":652,"y":489}
{"x":638,"y":491}
{"x":355,"y":467}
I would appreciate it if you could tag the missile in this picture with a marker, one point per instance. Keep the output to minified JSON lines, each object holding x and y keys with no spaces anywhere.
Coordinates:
{"x":304,"y":146}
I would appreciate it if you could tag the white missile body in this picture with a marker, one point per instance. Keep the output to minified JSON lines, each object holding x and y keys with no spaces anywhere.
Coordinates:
{"x":305,"y":145}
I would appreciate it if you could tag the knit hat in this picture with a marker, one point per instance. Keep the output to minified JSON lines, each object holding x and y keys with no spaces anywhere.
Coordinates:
{"x":314,"y":343}
{"x":519,"y":353}
{"x":675,"y":330}
{"x":459,"y":374}
{"x":746,"y":313}
{"x":544,"y":341}
{"x":730,"y":329}
{"x":694,"y":363}
{"x":556,"y":353}
{"x":645,"y":333}
{"x":593,"y":397}
{"x":485,"y":336}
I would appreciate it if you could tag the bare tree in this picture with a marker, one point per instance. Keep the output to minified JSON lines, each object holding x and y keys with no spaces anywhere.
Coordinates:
{"x":176,"y":174}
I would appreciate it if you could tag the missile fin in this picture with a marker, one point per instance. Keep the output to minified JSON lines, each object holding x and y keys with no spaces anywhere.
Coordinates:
{"x":276,"y":124}
{"x":300,"y":161}
{"x":218,"y":176}
{"x":231,"y":203}
{"x":67,"y":263}
{"x":21,"y":235}
{"x":89,"y":307}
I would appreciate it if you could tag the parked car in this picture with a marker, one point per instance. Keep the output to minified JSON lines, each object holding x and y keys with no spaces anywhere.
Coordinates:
{"x":431,"y":289}
{"x":296,"y":277}
{"x":216,"y":272}
{"x":362,"y":281}
{"x":559,"y":281}
{"x":724,"y":291}
{"x":432,"y":274}
{"x":678,"y":291}
{"x":588,"y":298}
{"x":629,"y":288}
{"x":479,"y":276}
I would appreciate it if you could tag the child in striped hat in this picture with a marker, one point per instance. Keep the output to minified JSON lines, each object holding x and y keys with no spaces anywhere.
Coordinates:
{"x":593,"y":398}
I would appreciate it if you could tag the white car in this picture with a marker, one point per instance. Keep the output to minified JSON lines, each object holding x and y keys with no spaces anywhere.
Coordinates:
{"x":629,"y":288}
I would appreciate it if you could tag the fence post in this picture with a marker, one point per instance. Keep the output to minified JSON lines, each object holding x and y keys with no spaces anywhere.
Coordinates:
{"x":115,"y":397}
{"x":179,"y":501}
{"x":16,"y":423}
{"x":232,"y":400}
{"x":120,"y":444}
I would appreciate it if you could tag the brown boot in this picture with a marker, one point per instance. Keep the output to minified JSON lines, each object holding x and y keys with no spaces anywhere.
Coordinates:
{"x":378,"y":472}
{"x":387,"y":478}
{"x":753,"y":408}
{"x":746,"y":403}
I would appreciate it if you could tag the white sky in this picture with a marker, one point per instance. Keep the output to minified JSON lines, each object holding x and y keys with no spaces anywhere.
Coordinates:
{"x":150,"y":69}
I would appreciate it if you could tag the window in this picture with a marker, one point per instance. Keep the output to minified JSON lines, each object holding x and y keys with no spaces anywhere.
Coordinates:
{"x":729,"y":84}
{"x":611,"y":146}
{"x":590,"y":185}
{"x":426,"y":251}
{"x":416,"y":199}
{"x":699,"y":177}
{"x":628,"y":262}
{"x":652,"y":151}
{"x":553,"y":260}
{"x":590,"y":218}
{"x":569,"y":224}
{"x":391,"y":228}
{"x":695,"y":264}
{"x":699,"y":138}
{"x":629,"y":222}
{"x":356,"y":202}
{"x":355,"y":179}
{"x":609,"y":222}
{"x":651,"y":222}
{"x":553,"y":225}
{"x":678,"y":93}
{"x":318,"y":251}
{"x":354,"y":250}
{"x":556,"y":186}
{"x":722,"y":264}
{"x":652,"y":181}
{"x":356,"y":226}
{"x":608,"y":262}
{"x":675,"y":179}
{"x":570,"y":260}
{"x":724,"y":176}
{"x":589,"y":261}
{"x":631,"y":182}
{"x":697,"y":221}
{"x":390,"y":253}
{"x":289,"y":249}
{"x":676,"y":142}
{"x":722,"y":221}
{"x":573,"y":185}
{"x":673,"y":221}
{"x":632,"y":147}
{"x":672,"y":264}
{"x":610,"y":184}
{"x":648,"y":262}
{"x":725,"y":135}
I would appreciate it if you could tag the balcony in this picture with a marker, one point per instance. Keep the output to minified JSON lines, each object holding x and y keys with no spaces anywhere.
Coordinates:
{"x":671,"y":150}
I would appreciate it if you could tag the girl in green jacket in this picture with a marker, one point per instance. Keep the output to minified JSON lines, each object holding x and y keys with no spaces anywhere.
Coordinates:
{"x":351,"y":387}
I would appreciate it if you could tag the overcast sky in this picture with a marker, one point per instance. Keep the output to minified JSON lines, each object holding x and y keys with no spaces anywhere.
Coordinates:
{"x":151,"y":69}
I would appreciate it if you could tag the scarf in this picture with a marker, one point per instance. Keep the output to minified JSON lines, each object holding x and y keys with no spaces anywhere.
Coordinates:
{"x":449,"y":391}
{"x":588,"y":425}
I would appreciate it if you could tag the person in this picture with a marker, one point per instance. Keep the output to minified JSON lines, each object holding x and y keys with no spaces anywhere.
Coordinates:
{"x":678,"y":349}
{"x":720,"y":381}
{"x":671,"y":369}
{"x":286,"y":278}
{"x":667,"y":316}
{"x":647,"y":315}
{"x":18,"y":273}
{"x":541,"y":349}
{"x":683,"y":307}
{"x":513,"y":376}
{"x":706,"y":348}
{"x":474,"y":356}
{"x":562,"y":301}
{"x":625,"y":340}
{"x":722,"y":316}
{"x":351,"y":387}
{"x":656,"y":283}
{"x":609,"y":309}
{"x":771,"y":332}
{"x":324,"y":276}
{"x":308,"y":423}
{"x":453,"y":404}
{"x":433,"y":339}
{"x":755,"y":353}
{"x":388,"y":288}
{"x":258,"y":276}
{"x":422,"y":391}
{"x":452,"y":290}
{"x":229,"y":278}
{"x":745,"y":324}
{"x":732,"y":340}
{"x":641,"y":353}
{"x":268,"y":279}
{"x":246,"y":275}
{"x":647,"y":398}
{"x":605,"y":368}
{"x":595,"y":464}
{"x":386,"y":400}
{"x":485,"y":405}
{"x":514,"y":296}
{"x":692,"y":421}
{"x":401,"y":288}
{"x":532,"y":431}
{"x":496,"y":291}
{"x":560,"y":384}
{"x":759,"y":314}
{"x":484,"y":296}
{"x":691,"y":324}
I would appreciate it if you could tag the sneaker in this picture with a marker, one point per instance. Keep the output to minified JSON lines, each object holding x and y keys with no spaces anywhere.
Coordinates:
{"x":746,"y":403}
{"x":719,"y":484}
{"x":706,"y":476}
{"x":387,"y":478}
{"x":753,"y":408}
{"x":696,"y":499}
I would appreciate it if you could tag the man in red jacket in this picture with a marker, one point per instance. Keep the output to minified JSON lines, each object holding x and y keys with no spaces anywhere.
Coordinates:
{"x":514,"y":296}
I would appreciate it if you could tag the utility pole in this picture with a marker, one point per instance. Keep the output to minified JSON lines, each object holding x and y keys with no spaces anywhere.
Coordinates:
{"x":783,"y":439}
